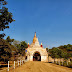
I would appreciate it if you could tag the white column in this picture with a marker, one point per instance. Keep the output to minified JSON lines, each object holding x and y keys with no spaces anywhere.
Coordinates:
{"x":31,"y":58}
{"x":28,"y":58}
{"x":42,"y":58}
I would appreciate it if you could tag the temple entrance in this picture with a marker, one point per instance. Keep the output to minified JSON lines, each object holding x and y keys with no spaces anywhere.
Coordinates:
{"x":26,"y":58}
{"x":36,"y":56}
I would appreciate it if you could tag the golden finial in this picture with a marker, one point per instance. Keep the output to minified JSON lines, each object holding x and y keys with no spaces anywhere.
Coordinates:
{"x":28,"y":43}
{"x":35,"y":34}
{"x":41,"y":43}
{"x":35,"y":38}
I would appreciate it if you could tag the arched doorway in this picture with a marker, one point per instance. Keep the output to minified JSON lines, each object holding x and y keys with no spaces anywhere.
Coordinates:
{"x":26,"y":58}
{"x":36,"y":56}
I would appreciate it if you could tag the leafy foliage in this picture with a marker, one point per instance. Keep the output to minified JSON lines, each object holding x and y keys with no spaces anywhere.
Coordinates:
{"x":5,"y":17}
{"x":67,"y":49}
{"x":9,"y":40}
{"x":6,"y":50}
{"x":61,"y":52}
{"x":21,"y":47}
{"x":54,"y":53}
{"x":47,"y":49}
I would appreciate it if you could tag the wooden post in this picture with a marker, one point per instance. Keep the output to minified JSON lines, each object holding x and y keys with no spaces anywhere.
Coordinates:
{"x":18,"y":63}
{"x":62,"y":63}
{"x":8,"y":65}
{"x":14,"y":64}
{"x":56,"y":62}
{"x":52,"y":61}
{"x":22,"y":61}
{"x":67,"y":63}
{"x":59,"y":62}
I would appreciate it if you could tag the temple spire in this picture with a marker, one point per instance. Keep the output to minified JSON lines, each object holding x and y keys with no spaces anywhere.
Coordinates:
{"x":35,"y":34}
{"x":35,"y":38}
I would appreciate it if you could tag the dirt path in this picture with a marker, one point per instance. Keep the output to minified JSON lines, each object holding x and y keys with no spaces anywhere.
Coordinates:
{"x":41,"y":67}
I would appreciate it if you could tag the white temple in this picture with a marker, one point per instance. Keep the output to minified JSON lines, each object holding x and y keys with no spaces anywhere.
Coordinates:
{"x":36,"y":52}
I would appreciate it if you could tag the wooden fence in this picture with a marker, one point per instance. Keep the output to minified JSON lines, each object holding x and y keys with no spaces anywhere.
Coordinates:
{"x":12,"y":65}
{"x":61,"y":62}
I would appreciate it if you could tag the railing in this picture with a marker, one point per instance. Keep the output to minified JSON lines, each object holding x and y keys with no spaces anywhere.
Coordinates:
{"x":61,"y":63}
{"x":13,"y":66}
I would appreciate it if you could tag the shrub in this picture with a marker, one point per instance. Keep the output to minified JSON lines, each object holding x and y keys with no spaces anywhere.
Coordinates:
{"x":65,"y":63}
{"x":57,"y":63}
{"x":70,"y":65}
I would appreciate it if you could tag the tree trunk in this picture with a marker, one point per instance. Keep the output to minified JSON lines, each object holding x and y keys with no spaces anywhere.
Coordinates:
{"x":48,"y":58}
{"x":54,"y":59}
{"x":60,"y":59}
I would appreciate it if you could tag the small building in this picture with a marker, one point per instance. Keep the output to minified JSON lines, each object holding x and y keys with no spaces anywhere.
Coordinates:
{"x":36,"y":52}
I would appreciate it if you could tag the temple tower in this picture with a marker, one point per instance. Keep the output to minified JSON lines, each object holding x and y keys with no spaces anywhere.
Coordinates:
{"x":36,"y":52}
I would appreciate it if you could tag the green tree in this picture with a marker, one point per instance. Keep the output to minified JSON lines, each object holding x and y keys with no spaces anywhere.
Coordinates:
{"x":21,"y":47}
{"x":15,"y":43}
{"x":67,"y":51}
{"x":47,"y":50}
{"x":60,"y":54}
{"x":54,"y":53}
{"x":47,"y":53}
{"x":9,"y":40}
{"x":5,"y":17}
{"x":5,"y":50}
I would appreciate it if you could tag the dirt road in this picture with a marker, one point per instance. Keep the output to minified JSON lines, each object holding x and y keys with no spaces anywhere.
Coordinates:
{"x":41,"y":67}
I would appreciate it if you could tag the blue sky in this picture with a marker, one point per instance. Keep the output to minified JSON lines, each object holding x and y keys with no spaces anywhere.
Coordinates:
{"x":51,"y":19}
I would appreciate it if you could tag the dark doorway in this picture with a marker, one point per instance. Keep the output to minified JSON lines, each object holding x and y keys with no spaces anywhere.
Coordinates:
{"x":36,"y":56}
{"x":26,"y":58}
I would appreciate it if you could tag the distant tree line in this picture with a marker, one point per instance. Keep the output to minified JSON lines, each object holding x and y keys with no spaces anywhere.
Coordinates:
{"x":64,"y":51}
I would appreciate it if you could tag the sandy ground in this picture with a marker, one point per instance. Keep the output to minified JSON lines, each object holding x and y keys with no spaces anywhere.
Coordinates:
{"x":41,"y":67}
